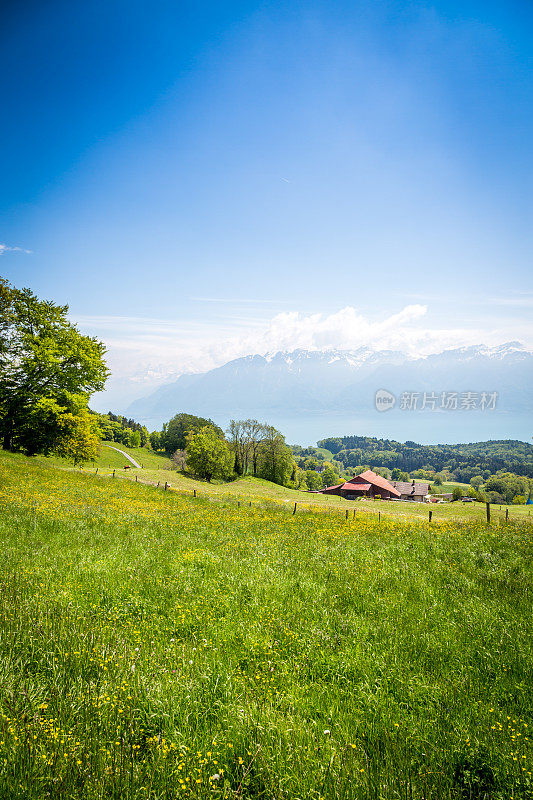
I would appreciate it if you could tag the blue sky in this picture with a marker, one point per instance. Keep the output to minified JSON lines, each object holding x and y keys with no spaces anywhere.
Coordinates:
{"x":191,"y":176}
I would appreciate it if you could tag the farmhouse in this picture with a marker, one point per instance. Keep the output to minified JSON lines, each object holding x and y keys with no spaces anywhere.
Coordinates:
{"x":410,"y":490}
{"x":368,"y":484}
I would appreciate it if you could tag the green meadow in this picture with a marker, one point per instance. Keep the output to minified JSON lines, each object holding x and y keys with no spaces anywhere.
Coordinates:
{"x":158,"y":645}
{"x":255,"y":490}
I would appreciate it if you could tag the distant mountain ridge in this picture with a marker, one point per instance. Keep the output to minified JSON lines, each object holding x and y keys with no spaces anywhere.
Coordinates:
{"x":313,"y":382}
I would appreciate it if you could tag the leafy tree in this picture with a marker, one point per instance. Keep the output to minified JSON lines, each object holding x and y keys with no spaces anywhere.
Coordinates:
{"x":240,"y":444}
{"x":174,"y":434}
{"x":333,"y":445}
{"x":330,"y":477}
{"x":299,"y":479}
{"x":313,"y":480}
{"x":79,"y":437}
{"x":519,"y":500}
{"x":246,"y":437}
{"x":257,"y":432}
{"x":44,"y":360}
{"x":495,"y":497}
{"x":155,"y":440}
{"x":457,"y":493}
{"x":507,"y":485}
{"x":274,"y":457}
{"x":208,"y":455}
{"x":425,"y":474}
{"x":477,"y":481}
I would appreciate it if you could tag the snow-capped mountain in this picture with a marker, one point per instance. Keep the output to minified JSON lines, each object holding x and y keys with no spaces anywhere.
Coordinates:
{"x":334,"y":381}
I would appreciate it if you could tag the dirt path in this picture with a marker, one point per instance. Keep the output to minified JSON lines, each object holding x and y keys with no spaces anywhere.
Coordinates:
{"x":135,"y":464}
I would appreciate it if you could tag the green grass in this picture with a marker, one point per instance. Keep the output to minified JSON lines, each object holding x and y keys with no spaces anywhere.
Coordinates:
{"x":109,"y":459}
{"x":449,"y":486}
{"x":153,"y":645}
{"x":328,"y":455}
{"x":250,"y":489}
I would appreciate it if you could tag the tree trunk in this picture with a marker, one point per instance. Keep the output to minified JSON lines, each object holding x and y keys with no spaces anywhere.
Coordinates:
{"x":8,"y":433}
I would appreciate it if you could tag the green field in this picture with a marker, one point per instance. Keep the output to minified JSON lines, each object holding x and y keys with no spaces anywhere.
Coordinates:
{"x":254,"y":490}
{"x":329,"y":456}
{"x":449,"y":486}
{"x":156,"y":645}
{"x":156,"y":470}
{"x":108,"y":458}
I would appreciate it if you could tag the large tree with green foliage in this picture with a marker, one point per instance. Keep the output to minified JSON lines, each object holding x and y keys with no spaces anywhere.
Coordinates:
{"x":47,"y":369}
{"x":246,"y":437}
{"x":313,"y":480}
{"x":208,"y":454}
{"x":275,"y":460}
{"x":174,"y":434}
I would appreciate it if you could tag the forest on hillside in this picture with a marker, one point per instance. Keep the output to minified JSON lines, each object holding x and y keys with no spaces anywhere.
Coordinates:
{"x":462,"y":460}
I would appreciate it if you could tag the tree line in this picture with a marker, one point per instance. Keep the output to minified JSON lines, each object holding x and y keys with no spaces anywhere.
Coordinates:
{"x":49,"y":370}
{"x":249,"y":447}
{"x":116,"y":428}
{"x":462,"y":461}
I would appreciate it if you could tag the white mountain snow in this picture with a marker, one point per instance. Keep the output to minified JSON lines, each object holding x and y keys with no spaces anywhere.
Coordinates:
{"x":335,"y":381}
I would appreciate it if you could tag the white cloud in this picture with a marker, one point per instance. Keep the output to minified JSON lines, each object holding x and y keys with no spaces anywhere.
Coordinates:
{"x":144,"y":353}
{"x":5,"y":248}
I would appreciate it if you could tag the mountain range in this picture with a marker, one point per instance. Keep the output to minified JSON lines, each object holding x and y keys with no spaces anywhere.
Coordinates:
{"x":302,"y":382}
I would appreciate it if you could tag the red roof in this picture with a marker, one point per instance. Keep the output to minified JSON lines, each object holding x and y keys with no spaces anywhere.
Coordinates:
{"x":357,"y":487}
{"x":377,"y":480}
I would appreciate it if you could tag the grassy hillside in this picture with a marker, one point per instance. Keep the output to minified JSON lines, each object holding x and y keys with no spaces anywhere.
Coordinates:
{"x":154,"y":645}
{"x":108,"y":458}
{"x":255,"y":490}
{"x":328,"y":455}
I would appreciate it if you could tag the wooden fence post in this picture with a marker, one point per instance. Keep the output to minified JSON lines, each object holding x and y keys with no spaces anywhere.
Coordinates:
{"x":113,"y":473}
{"x":379,"y":516}
{"x":346,"y":513}
{"x":166,"y":486}
{"x":430,"y":515}
{"x":488,"y":511}
{"x":96,"y":473}
{"x":136,"y":479}
{"x":195,"y":492}
{"x":294,"y":510}
{"x":506,"y":514}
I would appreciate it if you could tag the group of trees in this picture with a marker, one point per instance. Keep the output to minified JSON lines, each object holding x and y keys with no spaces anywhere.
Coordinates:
{"x":115,"y":428}
{"x":199,"y":446}
{"x":174,"y":434}
{"x":506,"y":487}
{"x":459,"y":462}
{"x":48,"y":370}
{"x":260,"y":450}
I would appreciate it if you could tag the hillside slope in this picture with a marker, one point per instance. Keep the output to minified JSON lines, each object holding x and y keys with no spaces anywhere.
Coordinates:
{"x":156,"y":644}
